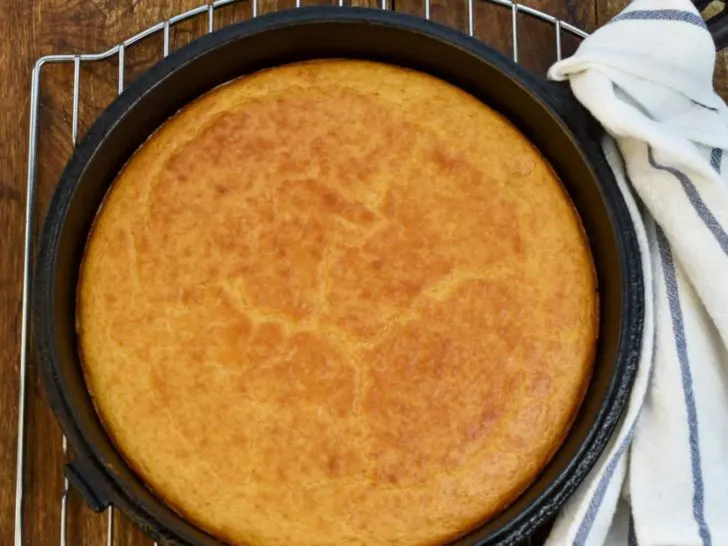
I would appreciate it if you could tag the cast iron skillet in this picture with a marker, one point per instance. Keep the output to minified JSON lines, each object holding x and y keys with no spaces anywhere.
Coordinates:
{"x":546,"y":112}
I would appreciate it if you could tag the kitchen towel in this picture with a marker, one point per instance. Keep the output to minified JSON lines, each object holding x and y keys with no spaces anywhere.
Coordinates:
{"x":647,"y":76}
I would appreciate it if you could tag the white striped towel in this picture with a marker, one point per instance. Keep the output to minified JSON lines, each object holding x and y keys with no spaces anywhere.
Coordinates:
{"x":663,"y":480}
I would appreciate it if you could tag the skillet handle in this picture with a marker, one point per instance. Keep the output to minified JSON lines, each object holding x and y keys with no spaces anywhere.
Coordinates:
{"x":718,"y":27}
{"x":582,"y":124}
{"x":717,"y":24}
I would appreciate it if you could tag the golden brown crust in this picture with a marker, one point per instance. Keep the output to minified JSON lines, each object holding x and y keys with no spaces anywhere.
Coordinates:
{"x":337,"y":303}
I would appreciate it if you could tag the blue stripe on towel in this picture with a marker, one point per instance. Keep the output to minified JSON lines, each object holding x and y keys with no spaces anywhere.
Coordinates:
{"x":596,"y":501}
{"x":631,"y":534}
{"x":711,"y":108}
{"x":662,"y":15}
{"x":678,"y":327}
{"x":716,"y":158}
{"x":698,"y":204}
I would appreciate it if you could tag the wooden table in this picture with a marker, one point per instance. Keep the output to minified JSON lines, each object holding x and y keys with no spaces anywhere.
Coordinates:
{"x":31,"y":28}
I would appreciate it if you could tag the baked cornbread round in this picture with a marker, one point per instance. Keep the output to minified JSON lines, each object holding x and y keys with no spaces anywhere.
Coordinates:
{"x":337,"y":302}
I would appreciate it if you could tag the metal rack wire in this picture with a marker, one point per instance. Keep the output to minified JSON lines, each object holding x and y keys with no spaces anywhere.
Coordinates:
{"x":119,"y":51}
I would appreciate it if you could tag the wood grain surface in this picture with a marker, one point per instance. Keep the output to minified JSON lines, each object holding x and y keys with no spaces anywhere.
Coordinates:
{"x":31,"y":28}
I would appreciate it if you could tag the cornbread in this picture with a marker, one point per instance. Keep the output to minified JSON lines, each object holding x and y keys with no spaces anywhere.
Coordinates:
{"x":337,"y":302}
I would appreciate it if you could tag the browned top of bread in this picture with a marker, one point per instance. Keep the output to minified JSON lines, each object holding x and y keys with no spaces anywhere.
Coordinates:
{"x":337,"y":302}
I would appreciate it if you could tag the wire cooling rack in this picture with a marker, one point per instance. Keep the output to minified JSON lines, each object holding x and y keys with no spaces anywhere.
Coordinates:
{"x":119,"y":52}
